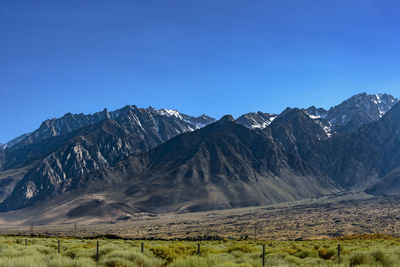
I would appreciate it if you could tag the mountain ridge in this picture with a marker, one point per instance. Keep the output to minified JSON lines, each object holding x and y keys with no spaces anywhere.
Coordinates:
{"x":70,"y":122}
{"x":169,"y":161}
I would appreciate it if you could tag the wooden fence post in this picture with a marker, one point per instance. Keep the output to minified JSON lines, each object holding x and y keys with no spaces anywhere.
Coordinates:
{"x":97,"y":251}
{"x":263,"y":256}
{"x":26,"y":242}
{"x":338,"y":252}
{"x":142,"y":247}
{"x":58,"y":246}
{"x":198,"y":249}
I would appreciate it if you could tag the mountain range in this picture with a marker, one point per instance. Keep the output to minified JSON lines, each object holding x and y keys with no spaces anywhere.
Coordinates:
{"x":149,"y":160}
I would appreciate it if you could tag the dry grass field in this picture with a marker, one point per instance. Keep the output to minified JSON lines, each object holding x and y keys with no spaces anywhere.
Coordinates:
{"x":367,"y":250}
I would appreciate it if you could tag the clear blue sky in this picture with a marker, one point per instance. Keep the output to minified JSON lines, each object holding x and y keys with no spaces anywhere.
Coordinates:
{"x":205,"y":56}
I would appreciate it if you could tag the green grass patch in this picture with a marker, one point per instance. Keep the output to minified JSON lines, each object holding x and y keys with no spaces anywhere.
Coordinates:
{"x":383,"y":252}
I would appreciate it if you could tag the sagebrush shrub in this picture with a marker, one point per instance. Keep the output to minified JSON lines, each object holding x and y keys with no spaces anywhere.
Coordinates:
{"x":326,"y":253}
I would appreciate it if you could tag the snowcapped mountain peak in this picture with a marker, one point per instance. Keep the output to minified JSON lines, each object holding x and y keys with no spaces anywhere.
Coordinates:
{"x":353,"y":112}
{"x":375,"y":104}
{"x":170,"y":113}
{"x":345,"y":117}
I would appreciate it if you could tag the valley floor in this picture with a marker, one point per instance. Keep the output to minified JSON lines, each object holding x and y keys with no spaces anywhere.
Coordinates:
{"x":319,"y":218}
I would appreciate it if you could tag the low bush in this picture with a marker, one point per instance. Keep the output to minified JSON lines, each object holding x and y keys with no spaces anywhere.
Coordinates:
{"x":383,"y":258}
{"x":304,"y":253}
{"x":131,"y":257}
{"x":326,"y":253}
{"x":360,"y":258}
{"x":174,"y":251}
{"x":246,"y":248}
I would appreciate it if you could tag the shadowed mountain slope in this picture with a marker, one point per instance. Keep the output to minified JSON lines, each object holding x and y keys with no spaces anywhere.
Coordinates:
{"x":223,"y":165}
{"x":296,"y":132}
{"x":361,"y":158}
{"x":220,"y":166}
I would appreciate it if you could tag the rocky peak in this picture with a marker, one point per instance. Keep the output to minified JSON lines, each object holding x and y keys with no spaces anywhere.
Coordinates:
{"x":352,"y":113}
{"x":375,"y":106}
{"x":226,"y":118}
{"x":317,"y":112}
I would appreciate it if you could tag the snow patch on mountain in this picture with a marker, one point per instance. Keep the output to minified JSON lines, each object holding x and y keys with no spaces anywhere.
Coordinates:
{"x":327,"y":129}
{"x":264,"y":124}
{"x":256,"y":120}
{"x":170,"y":113}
